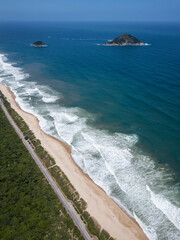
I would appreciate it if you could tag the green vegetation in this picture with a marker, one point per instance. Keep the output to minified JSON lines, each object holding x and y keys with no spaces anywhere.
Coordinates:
{"x":68,"y":189}
{"x":93,"y":226}
{"x":29,"y":209}
{"x":45,"y":157}
{"x":61,"y":179}
{"x":104,"y":235}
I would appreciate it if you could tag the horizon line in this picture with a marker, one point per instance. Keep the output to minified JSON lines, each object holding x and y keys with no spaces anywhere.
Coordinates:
{"x":91,"y":21}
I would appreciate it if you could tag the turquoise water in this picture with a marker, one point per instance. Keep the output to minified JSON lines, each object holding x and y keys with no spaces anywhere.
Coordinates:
{"x":118,"y":107}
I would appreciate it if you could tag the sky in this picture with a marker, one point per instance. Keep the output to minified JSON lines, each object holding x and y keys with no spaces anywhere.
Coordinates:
{"x":90,"y":10}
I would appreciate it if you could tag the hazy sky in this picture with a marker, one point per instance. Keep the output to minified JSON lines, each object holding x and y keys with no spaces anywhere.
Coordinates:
{"x":90,"y":10}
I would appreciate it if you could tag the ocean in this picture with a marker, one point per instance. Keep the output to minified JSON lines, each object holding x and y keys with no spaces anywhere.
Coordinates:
{"x":118,"y":107}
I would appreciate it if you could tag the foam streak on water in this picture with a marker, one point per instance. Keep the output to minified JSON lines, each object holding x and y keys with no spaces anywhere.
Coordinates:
{"x":146,"y":190}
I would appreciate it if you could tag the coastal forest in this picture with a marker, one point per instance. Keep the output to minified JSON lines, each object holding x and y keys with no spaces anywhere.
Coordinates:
{"x":29,"y":209}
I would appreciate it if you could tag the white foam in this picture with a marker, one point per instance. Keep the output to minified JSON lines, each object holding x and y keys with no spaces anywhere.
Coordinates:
{"x":11,"y":71}
{"x":15,"y":77}
{"x":41,"y":46}
{"x":170,"y":210}
{"x":148,"y":230}
{"x":48,"y":96}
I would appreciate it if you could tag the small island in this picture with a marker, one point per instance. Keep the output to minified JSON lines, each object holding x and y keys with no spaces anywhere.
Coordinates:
{"x":39,"y":44}
{"x":124,"y":40}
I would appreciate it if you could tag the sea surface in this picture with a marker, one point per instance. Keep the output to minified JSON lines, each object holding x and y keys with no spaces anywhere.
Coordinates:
{"x":118,"y":107}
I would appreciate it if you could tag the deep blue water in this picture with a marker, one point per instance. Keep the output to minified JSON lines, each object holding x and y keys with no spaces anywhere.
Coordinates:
{"x":125,"y":101}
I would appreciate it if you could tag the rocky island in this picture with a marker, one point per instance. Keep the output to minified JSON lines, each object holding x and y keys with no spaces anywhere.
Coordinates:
{"x":39,"y":44}
{"x":123,"y":40}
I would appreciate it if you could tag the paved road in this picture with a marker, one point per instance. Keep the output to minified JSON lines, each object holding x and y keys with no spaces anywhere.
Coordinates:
{"x":61,"y":197}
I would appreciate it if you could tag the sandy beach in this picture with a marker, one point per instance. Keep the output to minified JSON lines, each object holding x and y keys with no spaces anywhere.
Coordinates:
{"x":108,"y":214}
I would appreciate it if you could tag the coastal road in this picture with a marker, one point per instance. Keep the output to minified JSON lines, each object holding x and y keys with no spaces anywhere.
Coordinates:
{"x":74,"y":215}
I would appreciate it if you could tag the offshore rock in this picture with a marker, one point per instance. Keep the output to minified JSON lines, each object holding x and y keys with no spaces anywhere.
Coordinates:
{"x":39,"y":44}
{"x":123,"y":40}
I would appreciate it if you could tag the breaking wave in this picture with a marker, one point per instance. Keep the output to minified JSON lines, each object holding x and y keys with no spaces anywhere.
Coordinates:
{"x":146,"y":190}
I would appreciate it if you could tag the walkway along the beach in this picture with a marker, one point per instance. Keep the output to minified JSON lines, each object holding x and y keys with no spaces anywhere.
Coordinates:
{"x":74,"y":215}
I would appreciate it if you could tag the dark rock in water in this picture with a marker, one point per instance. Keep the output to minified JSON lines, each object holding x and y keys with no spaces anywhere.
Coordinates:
{"x":39,"y":44}
{"x":123,"y":40}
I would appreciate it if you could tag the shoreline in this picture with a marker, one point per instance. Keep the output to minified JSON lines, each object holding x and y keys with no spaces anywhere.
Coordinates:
{"x":100,"y":206}
{"x":123,"y":45}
